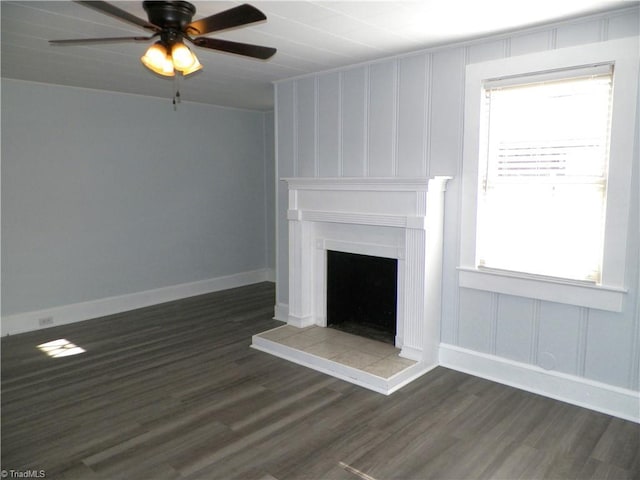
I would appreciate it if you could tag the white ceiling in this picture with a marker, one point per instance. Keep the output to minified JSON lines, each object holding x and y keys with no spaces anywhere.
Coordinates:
{"x":310,"y":36}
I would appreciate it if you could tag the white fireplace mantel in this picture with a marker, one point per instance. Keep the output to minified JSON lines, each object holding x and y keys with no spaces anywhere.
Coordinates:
{"x":399,"y":218}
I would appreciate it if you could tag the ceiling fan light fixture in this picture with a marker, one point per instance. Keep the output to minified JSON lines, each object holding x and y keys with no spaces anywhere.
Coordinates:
{"x":193,"y":68}
{"x":157,"y":60}
{"x":172,"y":23}
{"x":182,"y":57}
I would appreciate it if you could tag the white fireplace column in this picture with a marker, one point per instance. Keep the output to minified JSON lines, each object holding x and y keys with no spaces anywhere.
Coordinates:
{"x":414,"y":305}
{"x":301,"y":271}
{"x":392,"y":217}
{"x":424,"y":274}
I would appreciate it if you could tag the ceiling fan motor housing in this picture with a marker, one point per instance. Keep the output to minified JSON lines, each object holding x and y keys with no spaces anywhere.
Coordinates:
{"x":169,"y":15}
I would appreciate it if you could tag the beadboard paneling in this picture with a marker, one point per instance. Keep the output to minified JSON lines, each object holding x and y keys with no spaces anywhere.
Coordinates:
{"x":404,"y":117}
{"x":529,"y":43}
{"x":446,"y":115}
{"x":354,"y":122}
{"x":514,"y":327}
{"x":450,"y":291}
{"x":413,"y":98}
{"x":306,"y":128}
{"x":558,"y":337}
{"x":329,"y":153}
{"x":487,"y":51}
{"x":623,"y":25}
{"x":578,"y":33}
{"x":286,"y":129}
{"x":477,"y":319}
{"x":286,"y":141}
{"x":608,"y":346}
{"x":382,"y":119}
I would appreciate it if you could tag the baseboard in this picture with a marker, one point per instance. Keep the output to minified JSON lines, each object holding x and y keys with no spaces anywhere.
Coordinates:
{"x":616,"y":401}
{"x":77,"y":312}
{"x":411,"y":353}
{"x":281,"y":312}
{"x":270,"y":275}
{"x":301,"y":322}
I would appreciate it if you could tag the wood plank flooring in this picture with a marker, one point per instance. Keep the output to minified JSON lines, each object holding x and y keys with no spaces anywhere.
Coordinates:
{"x":174,"y":392}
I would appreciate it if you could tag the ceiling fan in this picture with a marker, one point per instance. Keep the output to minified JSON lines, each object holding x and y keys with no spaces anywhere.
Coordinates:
{"x":171,"y":23}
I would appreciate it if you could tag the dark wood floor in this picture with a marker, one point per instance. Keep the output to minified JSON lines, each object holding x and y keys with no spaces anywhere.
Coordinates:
{"x":174,"y":391}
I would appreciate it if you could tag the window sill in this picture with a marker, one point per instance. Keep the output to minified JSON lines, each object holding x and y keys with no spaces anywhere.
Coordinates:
{"x":552,"y":290}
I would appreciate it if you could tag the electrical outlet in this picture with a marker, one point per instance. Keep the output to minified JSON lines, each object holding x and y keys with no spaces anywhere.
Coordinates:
{"x":45,"y":321}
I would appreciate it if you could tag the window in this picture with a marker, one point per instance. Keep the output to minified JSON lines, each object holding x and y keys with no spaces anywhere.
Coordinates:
{"x":548,"y":153}
{"x":543,"y":174}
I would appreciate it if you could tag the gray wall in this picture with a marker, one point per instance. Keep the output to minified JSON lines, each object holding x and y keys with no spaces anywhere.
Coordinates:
{"x":404,"y":117}
{"x":270,"y":187}
{"x":105,"y":194}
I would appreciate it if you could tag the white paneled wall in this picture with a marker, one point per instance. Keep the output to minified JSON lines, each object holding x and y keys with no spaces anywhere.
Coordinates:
{"x":354,"y":122}
{"x":404,"y":117}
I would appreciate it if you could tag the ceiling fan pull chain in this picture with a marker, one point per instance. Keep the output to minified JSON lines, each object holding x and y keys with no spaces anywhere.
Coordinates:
{"x":176,"y":89}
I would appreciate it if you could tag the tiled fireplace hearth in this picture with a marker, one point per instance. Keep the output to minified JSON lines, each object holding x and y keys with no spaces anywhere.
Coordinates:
{"x":396,"y":218}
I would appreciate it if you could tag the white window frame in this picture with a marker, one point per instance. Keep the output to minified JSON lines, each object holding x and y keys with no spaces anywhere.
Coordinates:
{"x":609,"y":293}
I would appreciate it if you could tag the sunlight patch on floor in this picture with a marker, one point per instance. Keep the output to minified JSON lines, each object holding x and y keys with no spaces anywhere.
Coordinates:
{"x":60,"y":348}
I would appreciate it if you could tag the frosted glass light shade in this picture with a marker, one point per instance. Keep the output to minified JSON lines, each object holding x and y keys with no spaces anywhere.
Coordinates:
{"x":193,"y":68}
{"x":157,"y":60}
{"x":182,"y":56}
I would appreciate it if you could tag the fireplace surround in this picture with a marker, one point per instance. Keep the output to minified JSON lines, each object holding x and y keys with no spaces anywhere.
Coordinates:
{"x":397,"y":218}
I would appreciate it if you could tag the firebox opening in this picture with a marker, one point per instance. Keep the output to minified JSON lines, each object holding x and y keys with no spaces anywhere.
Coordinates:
{"x":362,"y":295}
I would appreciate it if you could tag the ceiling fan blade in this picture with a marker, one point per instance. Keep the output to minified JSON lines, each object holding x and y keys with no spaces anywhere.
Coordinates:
{"x":246,"y":49}
{"x":80,"y":41}
{"x":234,"y":17}
{"x":109,"y":9}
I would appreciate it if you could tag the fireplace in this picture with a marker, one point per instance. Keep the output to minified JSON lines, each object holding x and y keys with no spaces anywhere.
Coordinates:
{"x":390,"y":218}
{"x":362,"y":295}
